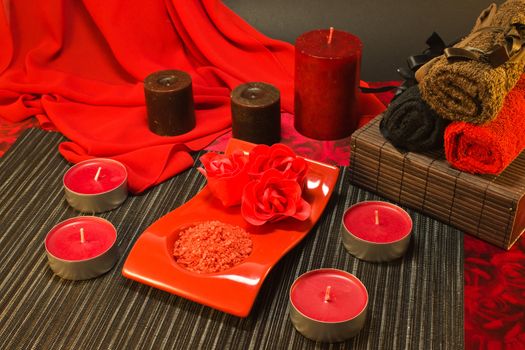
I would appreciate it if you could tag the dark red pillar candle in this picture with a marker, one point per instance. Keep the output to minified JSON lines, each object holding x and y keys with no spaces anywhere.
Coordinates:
{"x":169,"y":102}
{"x":327,"y":70}
{"x":256,"y":113}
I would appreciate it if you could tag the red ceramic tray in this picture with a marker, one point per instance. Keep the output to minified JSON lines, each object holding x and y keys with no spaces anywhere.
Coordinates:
{"x":234,"y":290}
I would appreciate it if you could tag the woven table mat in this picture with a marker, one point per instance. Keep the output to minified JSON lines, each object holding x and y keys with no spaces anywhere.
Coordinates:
{"x":415,"y":302}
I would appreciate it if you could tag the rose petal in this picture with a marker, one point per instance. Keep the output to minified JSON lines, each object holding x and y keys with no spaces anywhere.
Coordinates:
{"x":304,"y":210}
{"x":248,"y":205}
{"x":273,"y":197}
{"x":226,"y":175}
{"x":279,"y":157}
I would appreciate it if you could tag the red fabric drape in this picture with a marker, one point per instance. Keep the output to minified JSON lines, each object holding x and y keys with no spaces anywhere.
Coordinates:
{"x":80,"y":65}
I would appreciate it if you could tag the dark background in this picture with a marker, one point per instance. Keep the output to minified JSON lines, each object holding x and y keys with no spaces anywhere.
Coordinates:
{"x":390,"y":30}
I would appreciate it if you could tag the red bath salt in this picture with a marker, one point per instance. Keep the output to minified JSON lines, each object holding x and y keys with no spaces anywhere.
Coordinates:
{"x":211,"y":246}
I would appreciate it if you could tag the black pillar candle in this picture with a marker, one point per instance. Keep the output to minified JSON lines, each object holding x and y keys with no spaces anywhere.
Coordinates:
{"x":256,"y":113}
{"x":169,"y":102}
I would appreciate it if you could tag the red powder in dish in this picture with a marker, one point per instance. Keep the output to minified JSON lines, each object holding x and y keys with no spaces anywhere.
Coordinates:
{"x":211,"y":246}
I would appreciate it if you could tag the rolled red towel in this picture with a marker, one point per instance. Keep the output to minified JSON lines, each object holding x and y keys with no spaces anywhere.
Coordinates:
{"x":489,"y":148}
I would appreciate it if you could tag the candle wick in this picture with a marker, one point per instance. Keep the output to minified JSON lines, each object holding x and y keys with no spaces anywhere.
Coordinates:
{"x":327,"y":294}
{"x":330,"y":35}
{"x":98,"y":173}
{"x":377,"y":217}
{"x":82,"y":238}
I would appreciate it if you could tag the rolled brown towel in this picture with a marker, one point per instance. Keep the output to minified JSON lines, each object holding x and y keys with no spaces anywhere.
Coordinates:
{"x":470,"y":86}
{"x":484,"y":20}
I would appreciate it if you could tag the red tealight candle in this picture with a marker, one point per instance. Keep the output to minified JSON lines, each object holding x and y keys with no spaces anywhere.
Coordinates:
{"x":376,"y":231}
{"x":327,"y":69}
{"x":328,"y":305}
{"x":96,"y":185}
{"x":82,"y":247}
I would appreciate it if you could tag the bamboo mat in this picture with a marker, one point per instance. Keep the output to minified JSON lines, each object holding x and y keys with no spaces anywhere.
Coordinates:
{"x":415,"y":302}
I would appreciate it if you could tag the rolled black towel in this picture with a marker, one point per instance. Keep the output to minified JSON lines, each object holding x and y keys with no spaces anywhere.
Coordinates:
{"x":409,"y":123}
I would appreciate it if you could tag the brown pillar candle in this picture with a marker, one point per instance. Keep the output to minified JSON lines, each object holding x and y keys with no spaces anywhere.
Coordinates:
{"x":256,"y":113}
{"x":169,"y":102}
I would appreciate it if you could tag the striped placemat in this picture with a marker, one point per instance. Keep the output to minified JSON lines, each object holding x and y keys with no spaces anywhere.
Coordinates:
{"x":415,"y":303}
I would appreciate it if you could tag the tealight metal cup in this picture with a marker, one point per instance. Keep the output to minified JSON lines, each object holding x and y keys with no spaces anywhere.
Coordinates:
{"x":97,"y":202}
{"x":375,"y":251}
{"x":87,"y":268}
{"x":323,"y":331}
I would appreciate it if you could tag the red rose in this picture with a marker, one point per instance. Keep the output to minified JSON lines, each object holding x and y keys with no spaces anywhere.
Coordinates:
{"x":279,"y":157}
{"x":491,"y":319}
{"x":273,"y":197}
{"x":510,"y":266}
{"x":479,"y":272}
{"x":478,"y":248}
{"x":494,"y":295}
{"x":226,"y":175}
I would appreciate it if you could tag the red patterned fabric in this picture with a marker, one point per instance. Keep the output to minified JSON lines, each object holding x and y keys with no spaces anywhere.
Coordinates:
{"x":494,"y":296}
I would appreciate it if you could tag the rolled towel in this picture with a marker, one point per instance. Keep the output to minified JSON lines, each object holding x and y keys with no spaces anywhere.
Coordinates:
{"x":489,"y":148}
{"x":410,"y":124}
{"x":469,"y":85}
{"x":484,"y":20}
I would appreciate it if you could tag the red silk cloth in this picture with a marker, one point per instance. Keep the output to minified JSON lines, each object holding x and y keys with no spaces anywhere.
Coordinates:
{"x":80,"y":66}
{"x":489,"y":148}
